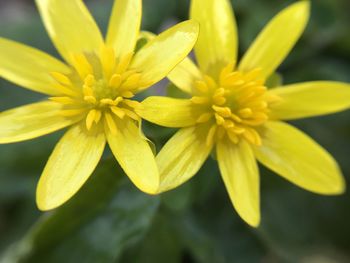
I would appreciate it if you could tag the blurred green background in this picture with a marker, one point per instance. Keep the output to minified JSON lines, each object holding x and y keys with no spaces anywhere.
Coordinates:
{"x":109,"y":220}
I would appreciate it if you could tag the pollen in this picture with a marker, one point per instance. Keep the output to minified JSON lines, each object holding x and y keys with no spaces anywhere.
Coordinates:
{"x":99,"y":89}
{"x":235,"y":105}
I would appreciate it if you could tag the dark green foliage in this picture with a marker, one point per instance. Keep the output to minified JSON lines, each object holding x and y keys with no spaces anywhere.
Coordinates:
{"x":109,"y":220}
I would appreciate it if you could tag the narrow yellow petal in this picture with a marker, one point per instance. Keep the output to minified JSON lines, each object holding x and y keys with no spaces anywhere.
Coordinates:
{"x":31,"y":121}
{"x":112,"y":127}
{"x":296,"y":157}
{"x":159,"y":56}
{"x":277,"y":39}
{"x":182,"y":157}
{"x":310,"y":99}
{"x":124,"y":26}
{"x":134,"y":155}
{"x":72,"y":162}
{"x":240,"y":173}
{"x":218,"y":41}
{"x":169,"y":112}
{"x":70,"y":26}
{"x":82,"y":66}
{"x":29,"y":67}
{"x":184,"y":75}
{"x":90,"y":118}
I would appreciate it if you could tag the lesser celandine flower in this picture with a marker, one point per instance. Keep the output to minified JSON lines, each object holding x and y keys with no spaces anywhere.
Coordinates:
{"x":92,"y":92}
{"x":232,"y":111}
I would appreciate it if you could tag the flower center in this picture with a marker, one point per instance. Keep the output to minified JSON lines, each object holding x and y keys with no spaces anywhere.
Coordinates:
{"x":100,"y":89}
{"x":234,"y":106}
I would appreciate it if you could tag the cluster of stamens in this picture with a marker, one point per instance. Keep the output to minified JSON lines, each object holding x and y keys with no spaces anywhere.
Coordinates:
{"x":100,"y":88}
{"x":235,"y":105}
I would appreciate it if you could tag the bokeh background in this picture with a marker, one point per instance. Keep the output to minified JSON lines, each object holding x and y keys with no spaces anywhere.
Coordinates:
{"x":109,"y":220}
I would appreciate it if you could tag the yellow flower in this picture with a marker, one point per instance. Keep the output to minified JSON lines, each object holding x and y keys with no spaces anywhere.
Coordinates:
{"x":232,"y":111}
{"x":92,"y":92}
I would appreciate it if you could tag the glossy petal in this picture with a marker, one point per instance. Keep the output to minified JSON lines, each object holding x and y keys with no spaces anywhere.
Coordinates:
{"x":29,"y":67}
{"x":70,"y":26}
{"x":31,"y":121}
{"x":218,"y":41}
{"x":277,"y":39}
{"x":184,"y":75}
{"x":182,"y":156}
{"x":240,"y":173}
{"x":169,"y":112}
{"x":310,"y":99}
{"x":124,"y":26}
{"x":159,"y":56}
{"x":72,"y":162}
{"x":296,"y":157}
{"x":134,"y":155}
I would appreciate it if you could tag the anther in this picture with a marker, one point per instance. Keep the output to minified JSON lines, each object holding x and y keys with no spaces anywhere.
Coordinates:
{"x":219,"y":119}
{"x":115,"y":81}
{"x":89,"y":80}
{"x":223,"y":111}
{"x":204,"y":117}
{"x":245,"y":113}
{"x":201,"y":86}
{"x":90,"y":99}
{"x":127,"y":94}
{"x":199,"y":100}
{"x":110,"y":102}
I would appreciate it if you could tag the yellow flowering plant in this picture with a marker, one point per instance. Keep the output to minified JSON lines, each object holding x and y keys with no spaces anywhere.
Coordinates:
{"x":231,"y":111}
{"x":92,"y":93}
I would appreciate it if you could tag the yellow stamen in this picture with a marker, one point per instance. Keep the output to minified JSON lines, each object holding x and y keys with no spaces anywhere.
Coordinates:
{"x":115,"y":81}
{"x":199,"y":100}
{"x":239,"y":103}
{"x":204,"y":117}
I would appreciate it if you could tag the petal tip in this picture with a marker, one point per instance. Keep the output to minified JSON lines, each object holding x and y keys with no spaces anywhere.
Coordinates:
{"x":303,"y":7}
{"x":253,"y":220}
{"x":44,"y":204}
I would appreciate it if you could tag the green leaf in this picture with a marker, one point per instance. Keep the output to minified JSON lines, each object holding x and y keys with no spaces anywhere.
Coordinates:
{"x":106,"y":216}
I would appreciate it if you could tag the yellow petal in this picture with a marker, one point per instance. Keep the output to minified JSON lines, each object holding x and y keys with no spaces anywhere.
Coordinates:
{"x":29,"y":67}
{"x":70,"y":26}
{"x":296,"y":157}
{"x":218,"y":41}
{"x":240,"y":173}
{"x":159,"y":56}
{"x":310,"y":99}
{"x":182,"y":156}
{"x":31,"y":121}
{"x":169,"y":112}
{"x":184,"y":75}
{"x":134,"y":155}
{"x":277,"y":39}
{"x":124,"y":26}
{"x":72,"y":162}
